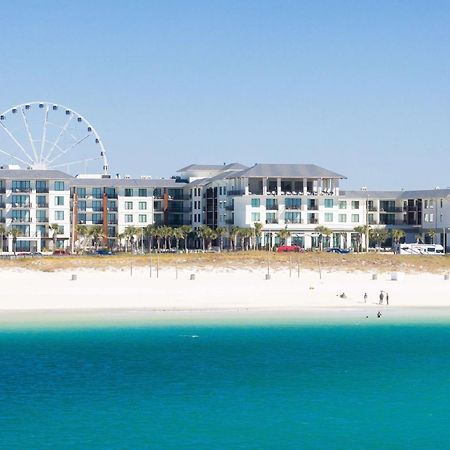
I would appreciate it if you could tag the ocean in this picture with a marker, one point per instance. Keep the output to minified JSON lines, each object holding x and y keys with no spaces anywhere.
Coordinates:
{"x":374,"y":385}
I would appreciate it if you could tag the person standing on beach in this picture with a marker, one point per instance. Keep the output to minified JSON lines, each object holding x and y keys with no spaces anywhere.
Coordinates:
{"x":365,"y":297}
{"x":387,"y":299}
{"x":381,"y":297}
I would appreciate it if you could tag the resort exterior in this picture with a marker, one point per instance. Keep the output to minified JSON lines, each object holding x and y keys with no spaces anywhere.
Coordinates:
{"x":298,"y":198}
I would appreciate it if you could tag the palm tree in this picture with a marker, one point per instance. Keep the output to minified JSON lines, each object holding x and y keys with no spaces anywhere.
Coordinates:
{"x":419,"y":238}
{"x":15,"y":233}
{"x":361,"y":230}
{"x":431,"y":234}
{"x":397,"y":235}
{"x":233,"y":233}
{"x":185,"y":230}
{"x":120,"y":238}
{"x":178,"y":234}
{"x":95,"y":232}
{"x":379,"y":235}
{"x":2,"y":236}
{"x":203,"y":234}
{"x":323,"y":231}
{"x":221,"y":232}
{"x":130,"y":236}
{"x":55,"y":228}
{"x":150,"y":231}
{"x":283,"y":235}
{"x":82,"y":232}
{"x":166,"y":234}
{"x":258,"y":233}
{"x":158,"y":235}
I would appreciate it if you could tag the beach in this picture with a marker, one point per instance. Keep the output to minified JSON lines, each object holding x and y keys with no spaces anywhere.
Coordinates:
{"x":218,"y":289}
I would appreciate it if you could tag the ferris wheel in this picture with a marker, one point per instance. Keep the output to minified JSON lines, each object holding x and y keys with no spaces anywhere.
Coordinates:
{"x":43,"y":135}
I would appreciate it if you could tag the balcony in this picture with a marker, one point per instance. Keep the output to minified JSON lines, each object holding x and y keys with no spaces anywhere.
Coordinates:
{"x":97,"y":209}
{"x":235,"y":192}
{"x":2,"y":190}
{"x":21,"y":220}
{"x":313,"y":221}
{"x":42,"y":219}
{"x":271,"y":221}
{"x":24,"y":189}
{"x":42,"y":205}
{"x":392,"y":209}
{"x":21,"y":205}
{"x":179,"y":210}
{"x":2,"y":219}
{"x":42,"y":190}
{"x":112,"y":208}
{"x":372,"y":208}
{"x":313,"y":207}
{"x":290,"y":207}
{"x":272,"y":207}
{"x":2,"y":205}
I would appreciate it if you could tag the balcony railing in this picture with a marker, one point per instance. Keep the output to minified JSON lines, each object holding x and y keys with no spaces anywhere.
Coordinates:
{"x":42,"y":219}
{"x":272,"y":207}
{"x":313,"y":207}
{"x":372,"y":208}
{"x":112,"y":208}
{"x":271,"y":221}
{"x":21,"y":205}
{"x":21,"y":220}
{"x":2,"y":205}
{"x":97,"y":208}
{"x":22,"y":190}
{"x":392,"y":209}
{"x":2,"y":190}
{"x":313,"y":221}
{"x":42,"y":205}
{"x":235,"y":192}
{"x":293,"y":206}
{"x":43,"y":190}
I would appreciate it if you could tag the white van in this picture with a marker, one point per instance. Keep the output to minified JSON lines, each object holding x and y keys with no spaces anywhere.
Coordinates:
{"x":420,"y":249}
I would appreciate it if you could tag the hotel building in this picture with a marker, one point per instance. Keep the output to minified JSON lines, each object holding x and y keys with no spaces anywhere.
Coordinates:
{"x":296,"y":197}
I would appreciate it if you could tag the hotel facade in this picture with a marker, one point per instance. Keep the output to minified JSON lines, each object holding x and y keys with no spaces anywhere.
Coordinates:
{"x":296,"y":197}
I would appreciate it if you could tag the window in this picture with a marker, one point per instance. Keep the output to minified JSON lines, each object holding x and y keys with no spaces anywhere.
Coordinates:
{"x":21,"y":186}
{"x":342,"y":218}
{"x":81,"y":192}
{"x":328,"y":217}
{"x":271,"y":218}
{"x":112,"y":205}
{"x":41,"y":186}
{"x":355,"y":204}
{"x":128,"y":192}
{"x":128,"y":218}
{"x":431,"y":203}
{"x":41,"y":201}
{"x":256,"y":202}
{"x":97,"y":192}
{"x":142,"y":205}
{"x":142,"y":218}
{"x":59,"y":185}
{"x":128,"y":205}
{"x":82,"y":218}
{"x":82,"y":205}
{"x":342,"y":204}
{"x":59,"y":215}
{"x":220,"y":190}
{"x":20,"y":200}
{"x":97,"y":219}
{"x":60,"y":229}
{"x":425,"y":217}
{"x":441,"y":202}
{"x":431,"y":217}
{"x":256,"y":217}
{"x":97,"y":205}
{"x":111,"y":218}
{"x":142,"y":192}
{"x":271,"y":203}
{"x":292,"y":217}
{"x":293,"y":203}
{"x":355,"y":217}
{"x":41,"y":215}
{"x":59,"y":200}
{"x":328,"y":203}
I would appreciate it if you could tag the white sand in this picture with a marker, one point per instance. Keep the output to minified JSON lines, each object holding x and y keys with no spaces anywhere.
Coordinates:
{"x":215,"y":290}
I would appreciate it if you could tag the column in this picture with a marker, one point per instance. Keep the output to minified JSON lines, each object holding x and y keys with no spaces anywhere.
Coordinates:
{"x":305,"y":186}
{"x":264,"y":180}
{"x":278,"y":186}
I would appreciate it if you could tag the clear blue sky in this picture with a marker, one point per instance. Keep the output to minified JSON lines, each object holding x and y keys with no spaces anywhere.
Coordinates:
{"x":358,"y":87}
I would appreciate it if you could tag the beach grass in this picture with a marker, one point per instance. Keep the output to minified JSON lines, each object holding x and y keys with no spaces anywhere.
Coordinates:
{"x":250,"y":260}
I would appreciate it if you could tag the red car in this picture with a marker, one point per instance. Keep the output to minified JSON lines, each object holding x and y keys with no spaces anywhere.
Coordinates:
{"x":289,"y":248}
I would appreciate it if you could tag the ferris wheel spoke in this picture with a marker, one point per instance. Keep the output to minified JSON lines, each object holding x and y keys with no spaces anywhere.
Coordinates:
{"x":44,"y":133}
{"x":15,"y":157}
{"x":30,"y":137}
{"x":67,"y":149}
{"x":11,"y":135}
{"x":61,"y":133}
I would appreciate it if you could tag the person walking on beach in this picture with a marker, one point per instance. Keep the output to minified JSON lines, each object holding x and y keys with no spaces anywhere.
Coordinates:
{"x":387,"y":299}
{"x":365,"y":297}
{"x":381,"y":297}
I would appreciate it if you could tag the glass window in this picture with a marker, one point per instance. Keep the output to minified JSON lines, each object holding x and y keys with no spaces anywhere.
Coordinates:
{"x":355,"y":204}
{"x":41,"y":201}
{"x":342,"y":204}
{"x":292,"y":217}
{"x":328,"y":217}
{"x":271,"y":203}
{"x":256,"y":217}
{"x":142,"y":192}
{"x":97,"y":192}
{"x":355,"y":217}
{"x":59,"y":215}
{"x":81,"y":192}
{"x":142,"y":218}
{"x":128,"y":205}
{"x":59,"y":200}
{"x":128,"y":192}
{"x":328,"y":203}
{"x":342,"y":218}
{"x":97,"y":205}
{"x":41,"y":186}
{"x":110,"y":192}
{"x":111,"y":218}
{"x":271,"y":218}
{"x":97,"y":219}
{"x":256,"y":202}
{"x":128,"y":218}
{"x":41,"y":215}
{"x":21,"y":186}
{"x":60,"y":229}
{"x":82,"y":218}
{"x":59,"y":185}
{"x":293,"y":203}
{"x":142,"y":205}
{"x":82,"y":205}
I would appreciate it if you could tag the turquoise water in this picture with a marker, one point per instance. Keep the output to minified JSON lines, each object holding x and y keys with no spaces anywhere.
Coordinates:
{"x":233,"y":387}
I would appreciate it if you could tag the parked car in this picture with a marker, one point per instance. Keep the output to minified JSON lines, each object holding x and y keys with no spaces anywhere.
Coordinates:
{"x":342,"y":251}
{"x":289,"y":248}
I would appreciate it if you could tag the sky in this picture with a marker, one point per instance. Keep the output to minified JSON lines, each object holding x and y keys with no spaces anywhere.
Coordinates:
{"x":357,"y":87}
